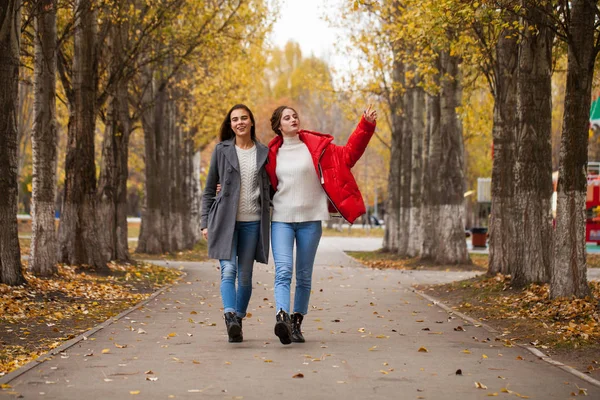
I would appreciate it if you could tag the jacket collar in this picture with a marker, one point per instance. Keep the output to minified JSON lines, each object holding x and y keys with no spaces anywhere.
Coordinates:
{"x":315,"y":141}
{"x":230,"y":154}
{"x":229,"y":151}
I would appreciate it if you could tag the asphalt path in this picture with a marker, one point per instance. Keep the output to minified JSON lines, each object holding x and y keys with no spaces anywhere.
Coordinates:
{"x":369,"y":336}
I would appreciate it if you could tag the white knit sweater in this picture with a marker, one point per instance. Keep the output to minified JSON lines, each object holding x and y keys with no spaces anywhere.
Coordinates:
{"x":299,"y":196}
{"x":249,"y":204}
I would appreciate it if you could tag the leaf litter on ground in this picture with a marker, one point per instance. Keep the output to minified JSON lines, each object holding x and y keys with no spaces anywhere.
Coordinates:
{"x":46,"y":312}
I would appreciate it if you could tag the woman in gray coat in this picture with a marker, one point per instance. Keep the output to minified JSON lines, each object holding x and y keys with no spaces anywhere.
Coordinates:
{"x":235,"y":219}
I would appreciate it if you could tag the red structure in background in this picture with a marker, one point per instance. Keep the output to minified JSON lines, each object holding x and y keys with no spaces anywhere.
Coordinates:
{"x":592,"y":202}
{"x":592,"y":207}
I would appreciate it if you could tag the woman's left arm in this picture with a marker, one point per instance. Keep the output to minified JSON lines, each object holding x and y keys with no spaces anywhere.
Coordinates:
{"x":358,"y":141}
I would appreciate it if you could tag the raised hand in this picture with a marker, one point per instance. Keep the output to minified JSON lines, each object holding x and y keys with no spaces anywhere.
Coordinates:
{"x":370,"y":114}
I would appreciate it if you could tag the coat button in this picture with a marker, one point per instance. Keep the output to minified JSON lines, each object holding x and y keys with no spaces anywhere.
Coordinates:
{"x":226,"y":194}
{"x":228,"y":181}
{"x":229,"y":169}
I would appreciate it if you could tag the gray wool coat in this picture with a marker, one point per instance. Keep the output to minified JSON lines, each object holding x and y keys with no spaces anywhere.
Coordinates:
{"x":219,"y":211}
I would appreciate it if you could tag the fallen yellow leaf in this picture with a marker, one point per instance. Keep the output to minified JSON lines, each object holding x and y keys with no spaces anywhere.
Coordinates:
{"x":423,"y":350}
{"x":105,"y":351}
{"x":480,"y":385}
{"x":134,"y":392}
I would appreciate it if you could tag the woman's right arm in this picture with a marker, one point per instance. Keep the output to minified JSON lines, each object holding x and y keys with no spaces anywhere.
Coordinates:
{"x":208,"y":196}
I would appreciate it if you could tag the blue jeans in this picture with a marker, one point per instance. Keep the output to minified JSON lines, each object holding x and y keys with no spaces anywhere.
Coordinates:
{"x":307,"y":236}
{"x":241,"y":264}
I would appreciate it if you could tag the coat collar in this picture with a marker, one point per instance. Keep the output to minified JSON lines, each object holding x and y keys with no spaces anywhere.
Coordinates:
{"x":229,"y":151}
{"x":230,"y":154}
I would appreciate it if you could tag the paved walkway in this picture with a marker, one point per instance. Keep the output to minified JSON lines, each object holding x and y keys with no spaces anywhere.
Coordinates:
{"x":364,"y":332}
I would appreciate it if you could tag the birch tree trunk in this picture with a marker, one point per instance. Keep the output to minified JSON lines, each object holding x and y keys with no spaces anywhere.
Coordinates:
{"x":44,"y":141}
{"x":10,"y":33}
{"x":78,"y":236}
{"x":502,"y":228}
{"x":569,"y":274}
{"x":533,"y":167}
{"x":392,"y":215}
{"x":446,"y":170}
{"x":415,"y":241}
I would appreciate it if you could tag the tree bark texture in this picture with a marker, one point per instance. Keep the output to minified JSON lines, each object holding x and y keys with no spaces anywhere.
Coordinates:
{"x":112,"y":184}
{"x":78,"y":236}
{"x":533,"y":168}
{"x":431,"y":131}
{"x":10,"y":32}
{"x":415,"y":240}
{"x":406,"y":170}
{"x":569,"y":274}
{"x":501,"y":227}
{"x":44,"y":141}
{"x":446,"y":165}
{"x":392,"y":214}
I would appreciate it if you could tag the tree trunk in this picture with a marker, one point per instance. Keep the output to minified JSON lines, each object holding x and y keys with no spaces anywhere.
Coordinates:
{"x":431,"y":131}
{"x":446,"y":170}
{"x":44,"y":141}
{"x":502,"y":228}
{"x":177,"y":189}
{"x":392,"y":214}
{"x":569,"y":274}
{"x":10,"y":33}
{"x":533,"y":190}
{"x":415,"y":240}
{"x":153,"y":237}
{"x":78,"y":237}
{"x":112,"y":185}
{"x":406,"y":169}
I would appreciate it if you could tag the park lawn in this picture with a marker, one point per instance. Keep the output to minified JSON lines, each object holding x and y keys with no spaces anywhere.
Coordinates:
{"x":46,"y":312}
{"x":353,"y":232}
{"x":567,"y":330}
{"x":380,"y":259}
{"x":198,"y":253}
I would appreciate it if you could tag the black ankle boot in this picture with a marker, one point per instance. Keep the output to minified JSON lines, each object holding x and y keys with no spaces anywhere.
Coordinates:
{"x":283,"y":327}
{"x":297,"y":328}
{"x":234,"y":329}
{"x":240,"y":338}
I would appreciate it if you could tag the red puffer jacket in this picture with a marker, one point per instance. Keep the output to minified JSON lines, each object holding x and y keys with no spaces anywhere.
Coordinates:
{"x":333,"y":165}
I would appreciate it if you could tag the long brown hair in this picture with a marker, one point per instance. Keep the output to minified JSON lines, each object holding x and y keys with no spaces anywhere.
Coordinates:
{"x":226,"y":133}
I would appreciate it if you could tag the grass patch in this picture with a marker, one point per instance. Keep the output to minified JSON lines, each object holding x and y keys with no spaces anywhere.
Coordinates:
{"x":593,"y":260}
{"x":353,"y":232}
{"x":198,"y":253}
{"x":381,"y":259}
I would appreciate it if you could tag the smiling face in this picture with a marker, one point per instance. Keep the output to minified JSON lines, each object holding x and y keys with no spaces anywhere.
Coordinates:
{"x":241,"y":123}
{"x":289,"y":123}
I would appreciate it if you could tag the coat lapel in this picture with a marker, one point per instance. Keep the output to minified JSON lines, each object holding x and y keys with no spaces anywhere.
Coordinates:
{"x":262,"y":152}
{"x":230,"y":154}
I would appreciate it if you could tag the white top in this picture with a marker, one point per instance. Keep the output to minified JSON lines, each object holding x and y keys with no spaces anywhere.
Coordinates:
{"x":299,"y":196}
{"x":249,"y":204}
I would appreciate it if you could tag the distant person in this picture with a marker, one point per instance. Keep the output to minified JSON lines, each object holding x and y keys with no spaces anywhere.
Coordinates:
{"x":235,"y":218}
{"x":311,"y":176}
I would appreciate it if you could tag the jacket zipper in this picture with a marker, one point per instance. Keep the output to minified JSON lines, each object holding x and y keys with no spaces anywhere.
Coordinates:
{"x":322,"y":185}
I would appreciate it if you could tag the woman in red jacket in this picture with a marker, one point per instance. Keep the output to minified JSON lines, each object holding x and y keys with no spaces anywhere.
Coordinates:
{"x":311,"y":177}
